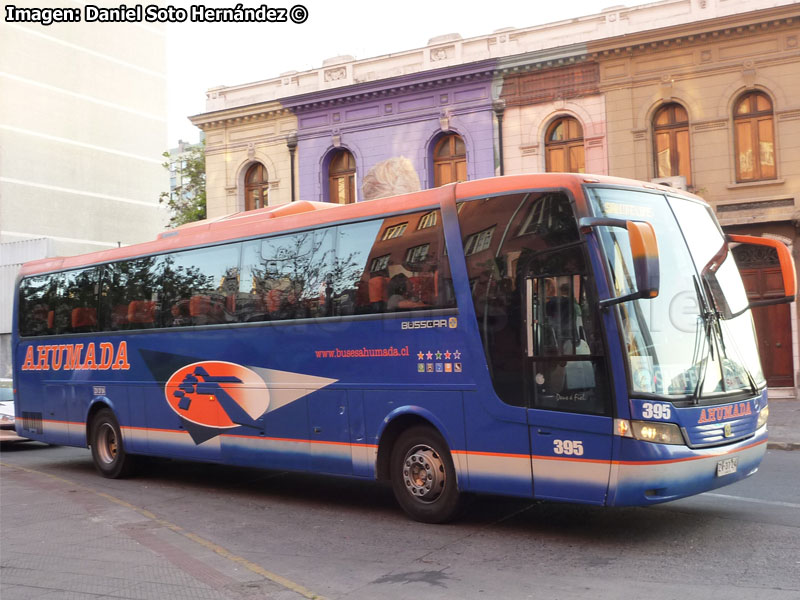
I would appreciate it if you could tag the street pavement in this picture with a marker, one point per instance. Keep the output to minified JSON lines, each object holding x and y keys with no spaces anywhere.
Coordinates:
{"x":784,"y":424}
{"x":73,"y":541}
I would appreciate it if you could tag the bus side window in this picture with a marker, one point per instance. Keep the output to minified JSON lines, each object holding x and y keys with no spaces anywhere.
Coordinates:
{"x":396,"y":264}
{"x":199,"y":287}
{"x":287,"y":277}
{"x":77,"y":310}
{"x":37,"y":300}
{"x":129,"y":293}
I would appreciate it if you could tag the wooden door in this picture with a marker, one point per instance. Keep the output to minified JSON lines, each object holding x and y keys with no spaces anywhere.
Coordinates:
{"x":773,"y":323}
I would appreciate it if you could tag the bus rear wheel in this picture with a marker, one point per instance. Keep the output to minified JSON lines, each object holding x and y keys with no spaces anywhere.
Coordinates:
{"x":423,"y":476}
{"x":108,"y":451}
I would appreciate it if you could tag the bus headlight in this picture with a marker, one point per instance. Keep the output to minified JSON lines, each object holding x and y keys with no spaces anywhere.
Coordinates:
{"x":763,"y":415}
{"x":659,"y":433}
{"x":649,"y":431}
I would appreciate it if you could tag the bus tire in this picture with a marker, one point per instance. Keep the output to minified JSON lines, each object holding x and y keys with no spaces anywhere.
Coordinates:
{"x":108,"y":451}
{"x":423,"y":476}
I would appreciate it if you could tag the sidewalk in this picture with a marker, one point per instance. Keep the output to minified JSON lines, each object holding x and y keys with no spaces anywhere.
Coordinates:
{"x":784,"y":424}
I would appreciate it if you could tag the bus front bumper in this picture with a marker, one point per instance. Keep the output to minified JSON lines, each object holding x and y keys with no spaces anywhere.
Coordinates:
{"x":651,"y":473}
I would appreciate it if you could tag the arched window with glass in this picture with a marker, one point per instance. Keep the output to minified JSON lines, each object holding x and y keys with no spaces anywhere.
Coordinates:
{"x":449,"y":160}
{"x":754,"y":137}
{"x":256,"y":187}
{"x":342,"y":178}
{"x":671,"y":142}
{"x":564,"y":147}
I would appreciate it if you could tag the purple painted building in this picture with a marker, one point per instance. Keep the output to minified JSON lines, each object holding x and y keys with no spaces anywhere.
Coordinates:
{"x":406,"y":116}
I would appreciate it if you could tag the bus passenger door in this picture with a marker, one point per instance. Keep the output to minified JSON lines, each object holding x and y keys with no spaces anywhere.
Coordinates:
{"x":565,"y":379}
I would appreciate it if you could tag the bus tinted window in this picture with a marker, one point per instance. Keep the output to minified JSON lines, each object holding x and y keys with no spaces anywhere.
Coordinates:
{"x":406,"y":268}
{"x":130,"y":294}
{"x":341,"y":270}
{"x":76,"y":311}
{"x":38,"y":297}
{"x":199,"y":287}
{"x":284,"y":277}
{"x":356,"y":266}
{"x":521,"y":250}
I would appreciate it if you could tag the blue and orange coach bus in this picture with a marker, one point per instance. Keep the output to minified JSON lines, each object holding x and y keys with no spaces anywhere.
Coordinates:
{"x":555,"y":336}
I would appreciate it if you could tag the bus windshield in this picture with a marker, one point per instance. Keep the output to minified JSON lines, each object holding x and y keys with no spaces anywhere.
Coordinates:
{"x":696,"y":338}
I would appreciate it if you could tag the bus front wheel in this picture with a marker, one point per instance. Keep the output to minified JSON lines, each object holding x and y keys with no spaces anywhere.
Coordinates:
{"x":423,"y":476}
{"x":108,"y":451}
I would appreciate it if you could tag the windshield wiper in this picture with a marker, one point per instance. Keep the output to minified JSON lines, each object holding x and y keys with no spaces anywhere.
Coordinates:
{"x":708,"y":318}
{"x":716,"y":315}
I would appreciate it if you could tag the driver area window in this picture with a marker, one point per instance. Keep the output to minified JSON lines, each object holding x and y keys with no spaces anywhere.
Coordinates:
{"x":533,"y":304}
{"x":566,"y":370}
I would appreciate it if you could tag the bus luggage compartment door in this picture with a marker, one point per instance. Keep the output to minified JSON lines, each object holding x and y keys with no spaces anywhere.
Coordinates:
{"x":330,"y":432}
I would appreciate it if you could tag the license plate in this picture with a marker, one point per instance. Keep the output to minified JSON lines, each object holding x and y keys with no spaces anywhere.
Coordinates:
{"x":727,"y":466}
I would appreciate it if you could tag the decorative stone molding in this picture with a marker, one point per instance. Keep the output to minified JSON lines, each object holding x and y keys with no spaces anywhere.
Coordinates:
{"x":336,"y":74}
{"x":539,"y":87}
{"x":709,"y":125}
{"x":442,"y":53}
{"x":789,"y":115}
{"x":749,"y":74}
{"x":665,"y":89}
{"x":594,"y":142}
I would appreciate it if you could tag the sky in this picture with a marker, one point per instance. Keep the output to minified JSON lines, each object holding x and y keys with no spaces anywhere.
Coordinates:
{"x":204,"y":55}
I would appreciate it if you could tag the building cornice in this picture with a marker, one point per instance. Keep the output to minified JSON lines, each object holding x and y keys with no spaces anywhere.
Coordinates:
{"x":408,"y":84}
{"x":701,"y":32}
{"x":253,"y":113}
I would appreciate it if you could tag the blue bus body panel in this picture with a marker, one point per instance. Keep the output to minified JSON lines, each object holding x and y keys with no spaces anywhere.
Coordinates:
{"x":329,"y":401}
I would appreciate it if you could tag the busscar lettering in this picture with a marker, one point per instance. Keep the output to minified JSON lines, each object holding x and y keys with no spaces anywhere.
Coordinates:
{"x":77,"y":357}
{"x":429,"y":324}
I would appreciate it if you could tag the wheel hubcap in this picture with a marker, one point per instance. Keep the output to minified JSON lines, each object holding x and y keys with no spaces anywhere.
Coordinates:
{"x":423,"y":473}
{"x":107,"y":443}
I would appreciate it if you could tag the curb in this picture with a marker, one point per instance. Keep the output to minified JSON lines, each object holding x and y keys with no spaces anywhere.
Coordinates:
{"x":783,"y":445}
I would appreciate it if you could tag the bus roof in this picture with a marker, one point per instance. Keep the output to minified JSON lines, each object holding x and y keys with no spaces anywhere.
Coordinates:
{"x":305,"y":214}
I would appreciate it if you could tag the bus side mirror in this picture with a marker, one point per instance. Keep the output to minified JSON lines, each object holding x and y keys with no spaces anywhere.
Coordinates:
{"x":644,"y":252}
{"x":785,"y":261}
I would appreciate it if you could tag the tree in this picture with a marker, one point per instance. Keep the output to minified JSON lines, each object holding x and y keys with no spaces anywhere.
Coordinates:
{"x":187,"y":201}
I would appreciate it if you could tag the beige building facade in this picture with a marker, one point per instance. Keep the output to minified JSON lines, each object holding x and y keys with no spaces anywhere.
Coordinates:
{"x":237,"y":139}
